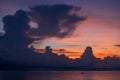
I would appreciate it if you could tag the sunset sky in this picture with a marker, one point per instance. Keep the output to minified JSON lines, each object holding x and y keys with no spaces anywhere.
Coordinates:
{"x":101,"y":29}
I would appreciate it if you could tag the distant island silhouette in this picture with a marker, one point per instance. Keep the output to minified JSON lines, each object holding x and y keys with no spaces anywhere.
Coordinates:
{"x":16,"y":55}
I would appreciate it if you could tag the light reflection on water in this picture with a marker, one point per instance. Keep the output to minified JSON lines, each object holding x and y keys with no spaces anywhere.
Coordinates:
{"x":59,"y":75}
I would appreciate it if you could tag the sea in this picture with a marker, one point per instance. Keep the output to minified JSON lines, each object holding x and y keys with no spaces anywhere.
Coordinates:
{"x":59,"y":75}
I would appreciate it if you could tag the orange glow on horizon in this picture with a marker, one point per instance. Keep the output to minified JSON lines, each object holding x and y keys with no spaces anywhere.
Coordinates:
{"x":98,"y":33}
{"x":76,"y":53}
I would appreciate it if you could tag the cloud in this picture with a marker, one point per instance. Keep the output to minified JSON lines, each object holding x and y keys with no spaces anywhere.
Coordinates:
{"x":62,"y":50}
{"x":66,"y":51}
{"x":117,"y":45}
{"x":95,"y":45}
{"x":54,"y":21}
{"x":73,"y":45}
{"x":57,"y":50}
{"x":102,"y":54}
{"x":16,"y":27}
{"x":70,"y":52}
{"x":104,"y":48}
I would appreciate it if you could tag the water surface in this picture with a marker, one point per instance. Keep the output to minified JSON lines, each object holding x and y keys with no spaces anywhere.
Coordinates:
{"x":59,"y":75}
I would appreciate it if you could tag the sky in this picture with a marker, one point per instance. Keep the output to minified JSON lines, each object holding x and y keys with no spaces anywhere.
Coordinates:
{"x":101,"y":29}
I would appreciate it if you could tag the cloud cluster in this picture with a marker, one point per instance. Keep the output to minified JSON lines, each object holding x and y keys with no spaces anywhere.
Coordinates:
{"x":16,"y":27}
{"x":117,"y":45}
{"x":54,"y":21}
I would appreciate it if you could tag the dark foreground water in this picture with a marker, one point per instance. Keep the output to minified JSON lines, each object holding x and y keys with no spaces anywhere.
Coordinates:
{"x":59,"y":75}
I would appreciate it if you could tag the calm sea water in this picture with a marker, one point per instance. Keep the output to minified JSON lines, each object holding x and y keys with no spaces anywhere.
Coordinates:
{"x":59,"y":75}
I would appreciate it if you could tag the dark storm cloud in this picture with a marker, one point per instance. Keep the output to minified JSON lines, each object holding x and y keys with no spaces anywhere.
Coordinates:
{"x":54,"y":21}
{"x":16,"y":27}
{"x":117,"y":45}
